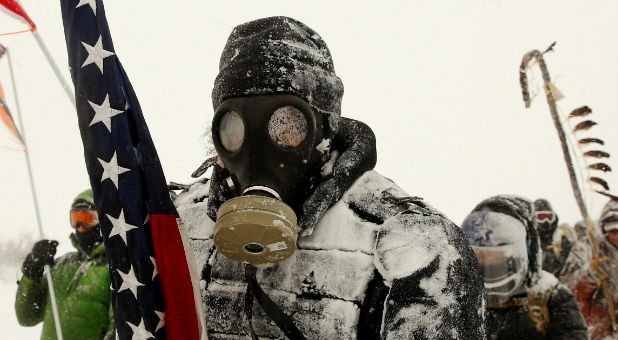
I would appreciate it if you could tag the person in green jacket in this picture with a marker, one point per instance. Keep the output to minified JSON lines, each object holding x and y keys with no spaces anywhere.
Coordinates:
{"x":81,"y":281}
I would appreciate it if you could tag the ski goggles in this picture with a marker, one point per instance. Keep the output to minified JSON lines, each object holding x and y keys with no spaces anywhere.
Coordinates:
{"x":545,"y":216}
{"x":84,"y":219}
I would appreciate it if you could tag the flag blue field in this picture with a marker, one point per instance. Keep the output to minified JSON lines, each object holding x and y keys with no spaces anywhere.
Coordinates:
{"x":155,"y":294}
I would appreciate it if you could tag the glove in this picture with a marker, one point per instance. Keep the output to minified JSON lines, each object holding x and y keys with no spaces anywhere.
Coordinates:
{"x":42,"y":254}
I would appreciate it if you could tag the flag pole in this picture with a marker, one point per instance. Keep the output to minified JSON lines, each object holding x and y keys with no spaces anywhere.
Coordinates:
{"x":54,"y":67}
{"x":597,"y":257}
{"x":50,"y":283}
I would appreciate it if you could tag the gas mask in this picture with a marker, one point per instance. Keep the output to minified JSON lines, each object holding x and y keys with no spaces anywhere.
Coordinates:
{"x":499,"y":242}
{"x":268,"y":144}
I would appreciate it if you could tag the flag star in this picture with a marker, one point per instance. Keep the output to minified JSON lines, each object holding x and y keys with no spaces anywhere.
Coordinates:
{"x":120,"y":226}
{"x":161,"y":323}
{"x":92,"y":3}
{"x":129,"y":281}
{"x":139,"y":331}
{"x":96,"y":54}
{"x":103,"y":113}
{"x":155,"y":271}
{"x":111,"y":170}
{"x":147,"y":219}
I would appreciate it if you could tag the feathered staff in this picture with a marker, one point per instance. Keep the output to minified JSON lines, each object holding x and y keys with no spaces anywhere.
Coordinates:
{"x":553,"y":95}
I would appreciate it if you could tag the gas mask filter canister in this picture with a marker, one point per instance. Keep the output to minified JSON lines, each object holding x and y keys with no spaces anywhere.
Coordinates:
{"x":256,"y":229}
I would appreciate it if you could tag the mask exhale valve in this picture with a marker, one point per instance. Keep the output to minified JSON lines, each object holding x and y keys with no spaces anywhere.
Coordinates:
{"x":256,"y":229}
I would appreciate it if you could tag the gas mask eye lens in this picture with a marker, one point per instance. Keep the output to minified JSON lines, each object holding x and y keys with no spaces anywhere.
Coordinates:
{"x":231,"y":131}
{"x":288,"y":127}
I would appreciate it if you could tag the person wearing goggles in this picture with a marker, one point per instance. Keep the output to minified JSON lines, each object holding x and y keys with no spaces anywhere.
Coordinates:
{"x":556,"y":241}
{"x":81,"y":281}
{"x":589,"y":287}
{"x":523,"y":301}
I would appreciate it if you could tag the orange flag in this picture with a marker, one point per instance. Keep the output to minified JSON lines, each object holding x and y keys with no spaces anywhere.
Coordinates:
{"x":5,"y":114}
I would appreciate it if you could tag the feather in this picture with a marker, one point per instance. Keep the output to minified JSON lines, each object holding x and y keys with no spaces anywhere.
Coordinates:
{"x":607,"y":194}
{"x":585,"y":125}
{"x":580,"y":112}
{"x":600,"y":166}
{"x":599,"y":181}
{"x":591,"y":140}
{"x":551,"y":47}
{"x":596,"y":154}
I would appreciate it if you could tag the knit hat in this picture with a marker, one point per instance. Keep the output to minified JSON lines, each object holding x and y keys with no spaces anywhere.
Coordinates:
{"x":84,"y":199}
{"x":523,"y":210}
{"x":279,"y":55}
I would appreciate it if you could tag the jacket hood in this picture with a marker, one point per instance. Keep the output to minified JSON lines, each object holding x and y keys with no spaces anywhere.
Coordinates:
{"x":521,"y":209}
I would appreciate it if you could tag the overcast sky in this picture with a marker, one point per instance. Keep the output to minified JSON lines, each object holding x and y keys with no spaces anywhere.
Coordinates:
{"x":437,"y":81}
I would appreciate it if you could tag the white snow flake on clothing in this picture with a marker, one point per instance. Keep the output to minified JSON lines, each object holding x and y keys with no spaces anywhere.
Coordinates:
{"x":378,"y":262}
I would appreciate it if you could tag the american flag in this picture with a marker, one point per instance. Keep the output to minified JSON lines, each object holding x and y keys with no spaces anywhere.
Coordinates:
{"x":154,"y":284}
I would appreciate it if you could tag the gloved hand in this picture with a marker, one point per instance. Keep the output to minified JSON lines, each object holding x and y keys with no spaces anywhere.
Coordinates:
{"x":42,"y":253}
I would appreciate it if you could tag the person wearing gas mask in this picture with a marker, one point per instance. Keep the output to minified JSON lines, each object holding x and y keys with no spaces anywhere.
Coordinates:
{"x":310,"y":242}
{"x":81,"y":281}
{"x":600,"y":313}
{"x":523,"y":301}
{"x":555,"y":241}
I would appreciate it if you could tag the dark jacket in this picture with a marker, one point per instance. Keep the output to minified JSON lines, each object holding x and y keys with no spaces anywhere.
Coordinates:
{"x":378,"y":264}
{"x":82,"y":287}
{"x":557,"y":314}
{"x":565,"y":320}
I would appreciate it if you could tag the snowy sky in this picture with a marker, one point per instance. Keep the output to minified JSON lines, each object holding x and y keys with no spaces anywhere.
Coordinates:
{"x":437,"y":81}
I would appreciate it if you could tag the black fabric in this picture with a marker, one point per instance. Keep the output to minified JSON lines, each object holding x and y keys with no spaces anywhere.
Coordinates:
{"x":355,"y":144}
{"x":546,"y":231}
{"x":550,"y":262}
{"x":283,"y":321}
{"x":42,"y":254}
{"x":372,"y":309}
{"x":259,"y":161}
{"x":514,"y":323}
{"x":87,"y":241}
{"x":279,"y":55}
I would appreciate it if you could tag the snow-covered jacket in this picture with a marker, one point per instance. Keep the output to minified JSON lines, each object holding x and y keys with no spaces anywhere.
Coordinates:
{"x":378,"y":264}
{"x":514,"y":322}
{"x":555,"y":313}
{"x":590,"y":294}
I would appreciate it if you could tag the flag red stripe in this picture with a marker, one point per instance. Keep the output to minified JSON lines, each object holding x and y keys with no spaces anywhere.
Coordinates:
{"x":14,"y":7}
{"x":180,"y":311}
{"x":7,"y":118}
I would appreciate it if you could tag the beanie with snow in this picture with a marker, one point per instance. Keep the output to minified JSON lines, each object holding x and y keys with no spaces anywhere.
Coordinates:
{"x":523,"y":210}
{"x":84,"y":199}
{"x":279,"y":55}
